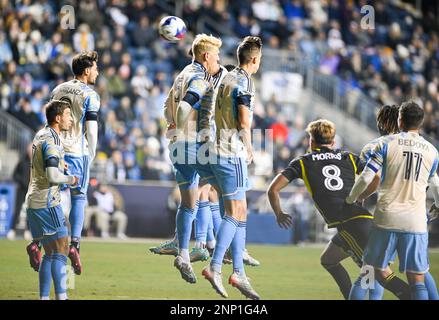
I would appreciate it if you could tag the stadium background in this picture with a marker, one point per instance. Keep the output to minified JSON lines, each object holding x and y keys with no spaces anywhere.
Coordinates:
{"x":317,"y":62}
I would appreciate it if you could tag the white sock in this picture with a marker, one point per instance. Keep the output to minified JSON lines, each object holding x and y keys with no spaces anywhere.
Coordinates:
{"x":184,"y":253}
{"x":211,"y":244}
{"x":44,"y":298}
{"x":61,"y":296}
{"x":200,"y":244}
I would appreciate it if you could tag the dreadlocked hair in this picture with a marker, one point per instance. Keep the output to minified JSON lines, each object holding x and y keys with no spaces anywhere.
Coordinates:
{"x":387,"y":119}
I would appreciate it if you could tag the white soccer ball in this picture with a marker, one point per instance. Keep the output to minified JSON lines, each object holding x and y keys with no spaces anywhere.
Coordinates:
{"x":172,"y":28}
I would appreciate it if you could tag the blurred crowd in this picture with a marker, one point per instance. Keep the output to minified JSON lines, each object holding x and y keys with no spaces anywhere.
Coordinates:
{"x":396,"y":60}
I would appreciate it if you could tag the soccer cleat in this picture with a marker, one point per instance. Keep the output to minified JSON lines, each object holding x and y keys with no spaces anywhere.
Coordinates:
{"x":168,"y":247}
{"x":199,"y":254}
{"x":76,"y":261}
{"x":34,"y":253}
{"x":227,"y":257}
{"x":215,"y":280}
{"x":243,"y":285}
{"x":186,"y":271}
{"x":249,"y":260}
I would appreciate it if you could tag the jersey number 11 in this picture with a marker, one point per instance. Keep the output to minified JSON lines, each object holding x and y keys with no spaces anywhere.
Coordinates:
{"x":409,"y":164}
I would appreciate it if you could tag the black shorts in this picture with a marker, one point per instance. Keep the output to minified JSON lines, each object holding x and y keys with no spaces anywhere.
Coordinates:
{"x":353,"y":236}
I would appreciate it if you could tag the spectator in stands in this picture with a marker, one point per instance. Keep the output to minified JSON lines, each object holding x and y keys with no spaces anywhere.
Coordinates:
{"x":115,"y":167}
{"x":21,"y":178}
{"x":109,"y":208}
{"x":26,"y":115}
{"x":143,"y":34}
{"x":83,"y":39}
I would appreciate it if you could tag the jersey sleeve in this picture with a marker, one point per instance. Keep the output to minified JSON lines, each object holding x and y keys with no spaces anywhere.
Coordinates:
{"x":92,"y":102}
{"x":293,"y":171}
{"x":434,"y":167}
{"x":377,"y":157}
{"x":50,"y":150}
{"x":243,"y":92}
{"x":198,"y":86}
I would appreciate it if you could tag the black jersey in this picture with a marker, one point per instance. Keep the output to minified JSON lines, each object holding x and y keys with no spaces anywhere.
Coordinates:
{"x":329,"y":176}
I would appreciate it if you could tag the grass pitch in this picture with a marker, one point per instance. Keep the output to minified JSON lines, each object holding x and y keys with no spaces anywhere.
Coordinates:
{"x":127,"y":270}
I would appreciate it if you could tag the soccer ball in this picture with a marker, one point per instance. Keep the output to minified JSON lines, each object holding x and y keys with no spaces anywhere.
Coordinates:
{"x":172,"y":28}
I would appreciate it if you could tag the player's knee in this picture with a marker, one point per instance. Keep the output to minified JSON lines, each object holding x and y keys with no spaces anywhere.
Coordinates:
{"x":414,"y":278}
{"x":327,"y":260}
{"x":62,"y":246}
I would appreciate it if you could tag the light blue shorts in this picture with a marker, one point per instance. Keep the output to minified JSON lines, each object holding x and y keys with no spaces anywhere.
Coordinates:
{"x":79,"y":166}
{"x":47,"y":224}
{"x":183,"y":158}
{"x":412,"y":249}
{"x":232,"y":177}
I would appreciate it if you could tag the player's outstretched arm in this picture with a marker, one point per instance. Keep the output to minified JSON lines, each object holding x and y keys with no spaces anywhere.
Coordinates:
{"x":284,"y":220}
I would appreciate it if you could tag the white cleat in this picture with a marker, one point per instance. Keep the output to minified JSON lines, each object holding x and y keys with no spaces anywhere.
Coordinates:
{"x":215,"y":280}
{"x":185,"y":268}
{"x":243,"y":285}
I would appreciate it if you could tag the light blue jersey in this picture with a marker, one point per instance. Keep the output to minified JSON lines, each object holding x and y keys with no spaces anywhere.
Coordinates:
{"x":230,"y":169}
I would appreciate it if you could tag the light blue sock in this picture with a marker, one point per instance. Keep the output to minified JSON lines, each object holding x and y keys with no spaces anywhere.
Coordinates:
{"x":184,"y":220}
{"x":431,"y":286}
{"x":238,"y":246}
{"x":210,"y":233}
{"x":419,"y":291}
{"x":59,"y":272}
{"x":76,"y":217}
{"x":357,"y":292}
{"x":376,"y":293}
{"x":45,"y":275}
{"x":202,"y":222}
{"x":216,"y":216}
{"x":224,"y":238}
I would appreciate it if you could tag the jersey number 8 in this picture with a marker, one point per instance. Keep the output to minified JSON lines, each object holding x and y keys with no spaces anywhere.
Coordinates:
{"x":333,"y":182}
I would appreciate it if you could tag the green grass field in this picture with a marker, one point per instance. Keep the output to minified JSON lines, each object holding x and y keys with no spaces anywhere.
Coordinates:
{"x":129,"y":271}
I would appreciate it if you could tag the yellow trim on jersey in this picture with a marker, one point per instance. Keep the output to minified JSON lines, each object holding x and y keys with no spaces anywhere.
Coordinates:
{"x":353,"y":163}
{"x":304,"y":177}
{"x":351,"y":244}
{"x":354,"y":242}
{"x":336,"y":223}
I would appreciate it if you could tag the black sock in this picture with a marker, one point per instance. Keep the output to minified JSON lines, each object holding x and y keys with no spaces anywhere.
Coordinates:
{"x":397,"y":286}
{"x":75,"y":243}
{"x":341,"y":276}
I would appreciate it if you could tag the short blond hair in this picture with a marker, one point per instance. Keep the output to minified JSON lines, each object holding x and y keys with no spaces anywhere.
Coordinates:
{"x":203,"y":43}
{"x":321,"y":131}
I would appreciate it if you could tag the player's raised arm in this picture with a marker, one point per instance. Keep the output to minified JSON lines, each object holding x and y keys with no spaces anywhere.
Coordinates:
{"x":284,"y":220}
